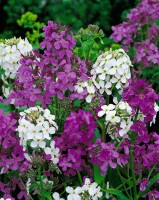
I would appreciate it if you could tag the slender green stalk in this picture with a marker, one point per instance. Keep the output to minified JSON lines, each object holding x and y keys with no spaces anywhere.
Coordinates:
{"x":133,"y":174}
{"x":79,"y":177}
{"x":121,"y":178}
{"x":151,"y":171}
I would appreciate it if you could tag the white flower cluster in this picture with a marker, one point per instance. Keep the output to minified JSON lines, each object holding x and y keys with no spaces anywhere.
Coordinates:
{"x":87,"y":191}
{"x":89,"y":86}
{"x":11,"y":52}
{"x":36,"y":126}
{"x":118,"y":115}
{"x":111,"y":68}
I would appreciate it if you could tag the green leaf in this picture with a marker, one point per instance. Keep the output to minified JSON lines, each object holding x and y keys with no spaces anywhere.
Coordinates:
{"x":97,"y":175}
{"x":77,"y":102}
{"x":96,"y":134}
{"x":117,"y":193}
{"x":47,"y":195}
{"x":5,"y":108}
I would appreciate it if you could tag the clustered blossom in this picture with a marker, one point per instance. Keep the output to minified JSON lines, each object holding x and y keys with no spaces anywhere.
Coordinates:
{"x":105,"y":155}
{"x":11,"y":154}
{"x":11,"y":51}
{"x":87,"y":191}
{"x":111,"y":68}
{"x":146,"y":150}
{"x":141,"y":23}
{"x":51,"y":73}
{"x":11,"y":186}
{"x":140,"y":96}
{"x":147,"y":53}
{"x":117,"y":118}
{"x":36,"y":126}
{"x":79,"y":129}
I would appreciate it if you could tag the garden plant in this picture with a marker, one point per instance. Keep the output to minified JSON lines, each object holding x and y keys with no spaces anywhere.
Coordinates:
{"x":78,"y":113}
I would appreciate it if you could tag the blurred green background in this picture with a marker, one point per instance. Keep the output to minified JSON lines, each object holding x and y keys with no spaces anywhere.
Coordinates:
{"x":74,"y":13}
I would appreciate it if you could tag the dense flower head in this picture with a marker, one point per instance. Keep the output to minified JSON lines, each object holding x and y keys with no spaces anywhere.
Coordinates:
{"x":140,"y":31}
{"x":11,"y":154}
{"x":103,"y":155}
{"x":56,"y":70}
{"x":146,"y":148}
{"x":117,"y":118}
{"x":140,"y":96}
{"x":73,"y":143}
{"x":111,"y":68}
{"x":147,"y":53}
{"x":87,"y":191}
{"x":36,"y":127}
{"x":11,"y":51}
{"x":10,"y":187}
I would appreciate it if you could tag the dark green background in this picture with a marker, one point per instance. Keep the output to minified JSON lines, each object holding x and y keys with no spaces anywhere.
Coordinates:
{"x":74,"y":13}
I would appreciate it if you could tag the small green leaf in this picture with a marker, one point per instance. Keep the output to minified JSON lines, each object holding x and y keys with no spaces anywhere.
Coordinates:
{"x":77,"y":102}
{"x":117,"y":193}
{"x":97,"y":175}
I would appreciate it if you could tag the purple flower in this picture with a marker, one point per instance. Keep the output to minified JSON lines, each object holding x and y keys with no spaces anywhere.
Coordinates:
{"x":143,"y":184}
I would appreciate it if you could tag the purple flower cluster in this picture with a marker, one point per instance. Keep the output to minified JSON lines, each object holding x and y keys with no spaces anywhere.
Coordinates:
{"x":11,"y":186}
{"x":141,"y":31}
{"x":74,"y":141}
{"x":139,"y":95}
{"x":11,"y":152}
{"x":105,"y":155}
{"x":147,"y":53}
{"x":146,"y":151}
{"x":56,"y":70}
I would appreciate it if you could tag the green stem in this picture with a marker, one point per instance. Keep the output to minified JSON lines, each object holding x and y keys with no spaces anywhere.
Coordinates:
{"x":79,"y":177}
{"x":151,"y":171}
{"x":133,"y":173}
{"x":121,"y":178}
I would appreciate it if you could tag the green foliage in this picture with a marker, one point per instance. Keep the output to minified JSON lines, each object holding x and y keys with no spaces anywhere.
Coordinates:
{"x":28,"y":21}
{"x":152,"y":74}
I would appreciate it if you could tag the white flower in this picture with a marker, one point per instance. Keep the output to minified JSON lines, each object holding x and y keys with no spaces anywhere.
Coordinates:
{"x":24,"y":46}
{"x":105,"y":109}
{"x":111,"y":117}
{"x":156,"y":107}
{"x":56,"y":196}
{"x":125,"y":127}
{"x":113,"y":67}
{"x":11,"y":53}
{"x":74,"y":194}
{"x":34,"y":132}
{"x":38,"y":143}
{"x":79,"y":87}
{"x":53,"y":151}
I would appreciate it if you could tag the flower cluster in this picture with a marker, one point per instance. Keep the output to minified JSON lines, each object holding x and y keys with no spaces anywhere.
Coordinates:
{"x":111,"y":68}
{"x":118,"y":117}
{"x":12,"y":154}
{"x":79,"y":129}
{"x":41,"y":81}
{"x":141,"y":23}
{"x":87,"y":191}
{"x":11,"y":51}
{"x":141,"y":97}
{"x":36,"y":126}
